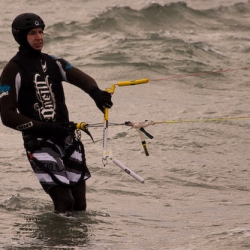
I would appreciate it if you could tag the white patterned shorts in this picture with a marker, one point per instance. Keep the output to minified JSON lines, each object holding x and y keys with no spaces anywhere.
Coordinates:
{"x":54,"y":164}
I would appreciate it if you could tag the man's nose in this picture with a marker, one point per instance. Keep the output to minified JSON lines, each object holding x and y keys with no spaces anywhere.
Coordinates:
{"x":39,"y":35}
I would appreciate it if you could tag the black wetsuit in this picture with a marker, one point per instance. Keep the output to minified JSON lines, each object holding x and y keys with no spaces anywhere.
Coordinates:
{"x":31,"y":91}
{"x":31,"y":94}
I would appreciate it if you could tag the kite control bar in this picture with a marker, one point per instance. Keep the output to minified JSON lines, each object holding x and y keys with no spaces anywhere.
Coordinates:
{"x":108,"y":153}
{"x":111,"y":90}
{"x":138,"y":126}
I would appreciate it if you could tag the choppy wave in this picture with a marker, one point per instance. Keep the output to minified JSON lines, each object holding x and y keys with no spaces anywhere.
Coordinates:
{"x":158,"y":38}
{"x":171,"y":16}
{"x":163,"y":37}
{"x":17,"y":202}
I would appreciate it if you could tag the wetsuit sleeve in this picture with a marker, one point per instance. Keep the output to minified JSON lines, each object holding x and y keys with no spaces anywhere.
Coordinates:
{"x":9,"y":88}
{"x":86,"y":83}
{"x":75,"y":76}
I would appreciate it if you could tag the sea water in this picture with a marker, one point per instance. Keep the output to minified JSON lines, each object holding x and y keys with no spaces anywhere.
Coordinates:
{"x":196,"y":194}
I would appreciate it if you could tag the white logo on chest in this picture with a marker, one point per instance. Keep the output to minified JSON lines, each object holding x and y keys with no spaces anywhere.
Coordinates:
{"x":46,"y":105}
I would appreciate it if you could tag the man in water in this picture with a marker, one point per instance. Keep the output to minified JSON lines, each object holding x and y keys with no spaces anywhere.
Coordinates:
{"x":32,"y":102}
